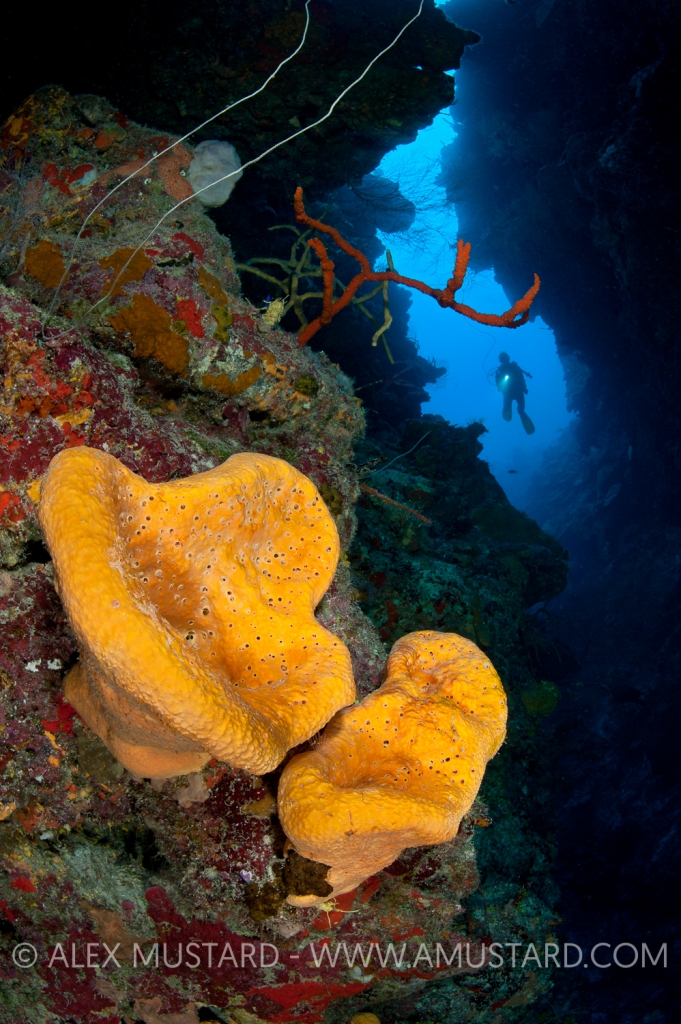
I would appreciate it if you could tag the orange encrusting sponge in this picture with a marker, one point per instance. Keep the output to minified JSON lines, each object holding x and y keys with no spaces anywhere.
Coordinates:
{"x":401,"y":768}
{"x":193,"y":604}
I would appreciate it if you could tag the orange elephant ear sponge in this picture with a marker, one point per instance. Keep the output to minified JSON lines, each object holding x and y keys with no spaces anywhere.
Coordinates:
{"x":193,"y":604}
{"x":401,"y":768}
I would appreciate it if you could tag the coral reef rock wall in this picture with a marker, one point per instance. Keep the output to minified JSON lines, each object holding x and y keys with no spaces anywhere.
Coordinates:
{"x":154,"y":356}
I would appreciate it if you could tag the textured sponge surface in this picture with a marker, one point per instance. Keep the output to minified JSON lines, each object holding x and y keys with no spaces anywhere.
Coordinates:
{"x":401,"y":768}
{"x":193,"y":602}
{"x":214,"y":160}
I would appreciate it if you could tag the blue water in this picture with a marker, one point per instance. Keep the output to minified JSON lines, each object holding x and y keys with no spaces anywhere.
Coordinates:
{"x":470,"y":350}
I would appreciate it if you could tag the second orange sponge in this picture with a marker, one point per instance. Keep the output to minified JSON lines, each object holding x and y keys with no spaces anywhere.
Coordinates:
{"x":401,"y":768}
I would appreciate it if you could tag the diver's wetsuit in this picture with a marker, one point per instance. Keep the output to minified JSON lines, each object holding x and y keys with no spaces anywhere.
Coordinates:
{"x":510,"y":380}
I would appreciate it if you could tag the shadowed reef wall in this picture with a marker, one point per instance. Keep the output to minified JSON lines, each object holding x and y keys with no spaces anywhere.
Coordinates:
{"x":567,"y":161}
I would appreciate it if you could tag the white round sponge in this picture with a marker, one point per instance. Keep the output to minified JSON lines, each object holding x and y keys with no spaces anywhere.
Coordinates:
{"x":212,"y":160}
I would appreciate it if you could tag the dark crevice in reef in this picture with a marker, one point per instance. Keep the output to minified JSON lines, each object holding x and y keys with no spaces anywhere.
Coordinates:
{"x":295,"y":876}
{"x":35,"y":551}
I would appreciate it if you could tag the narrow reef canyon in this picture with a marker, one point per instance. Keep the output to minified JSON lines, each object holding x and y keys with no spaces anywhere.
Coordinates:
{"x":155,"y":350}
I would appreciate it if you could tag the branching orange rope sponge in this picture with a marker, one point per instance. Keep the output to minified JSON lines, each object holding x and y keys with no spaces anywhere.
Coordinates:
{"x":193,"y":604}
{"x":514,"y":317}
{"x":401,"y":768}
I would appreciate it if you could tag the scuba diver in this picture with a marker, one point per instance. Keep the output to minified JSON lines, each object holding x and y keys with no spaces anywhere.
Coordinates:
{"x":510,"y":380}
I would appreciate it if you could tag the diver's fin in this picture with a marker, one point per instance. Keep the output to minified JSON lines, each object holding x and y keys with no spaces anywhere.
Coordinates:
{"x":527,"y":423}
{"x":507,"y":413}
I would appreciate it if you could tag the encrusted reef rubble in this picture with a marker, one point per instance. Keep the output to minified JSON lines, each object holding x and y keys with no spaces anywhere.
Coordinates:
{"x":172,"y":373}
